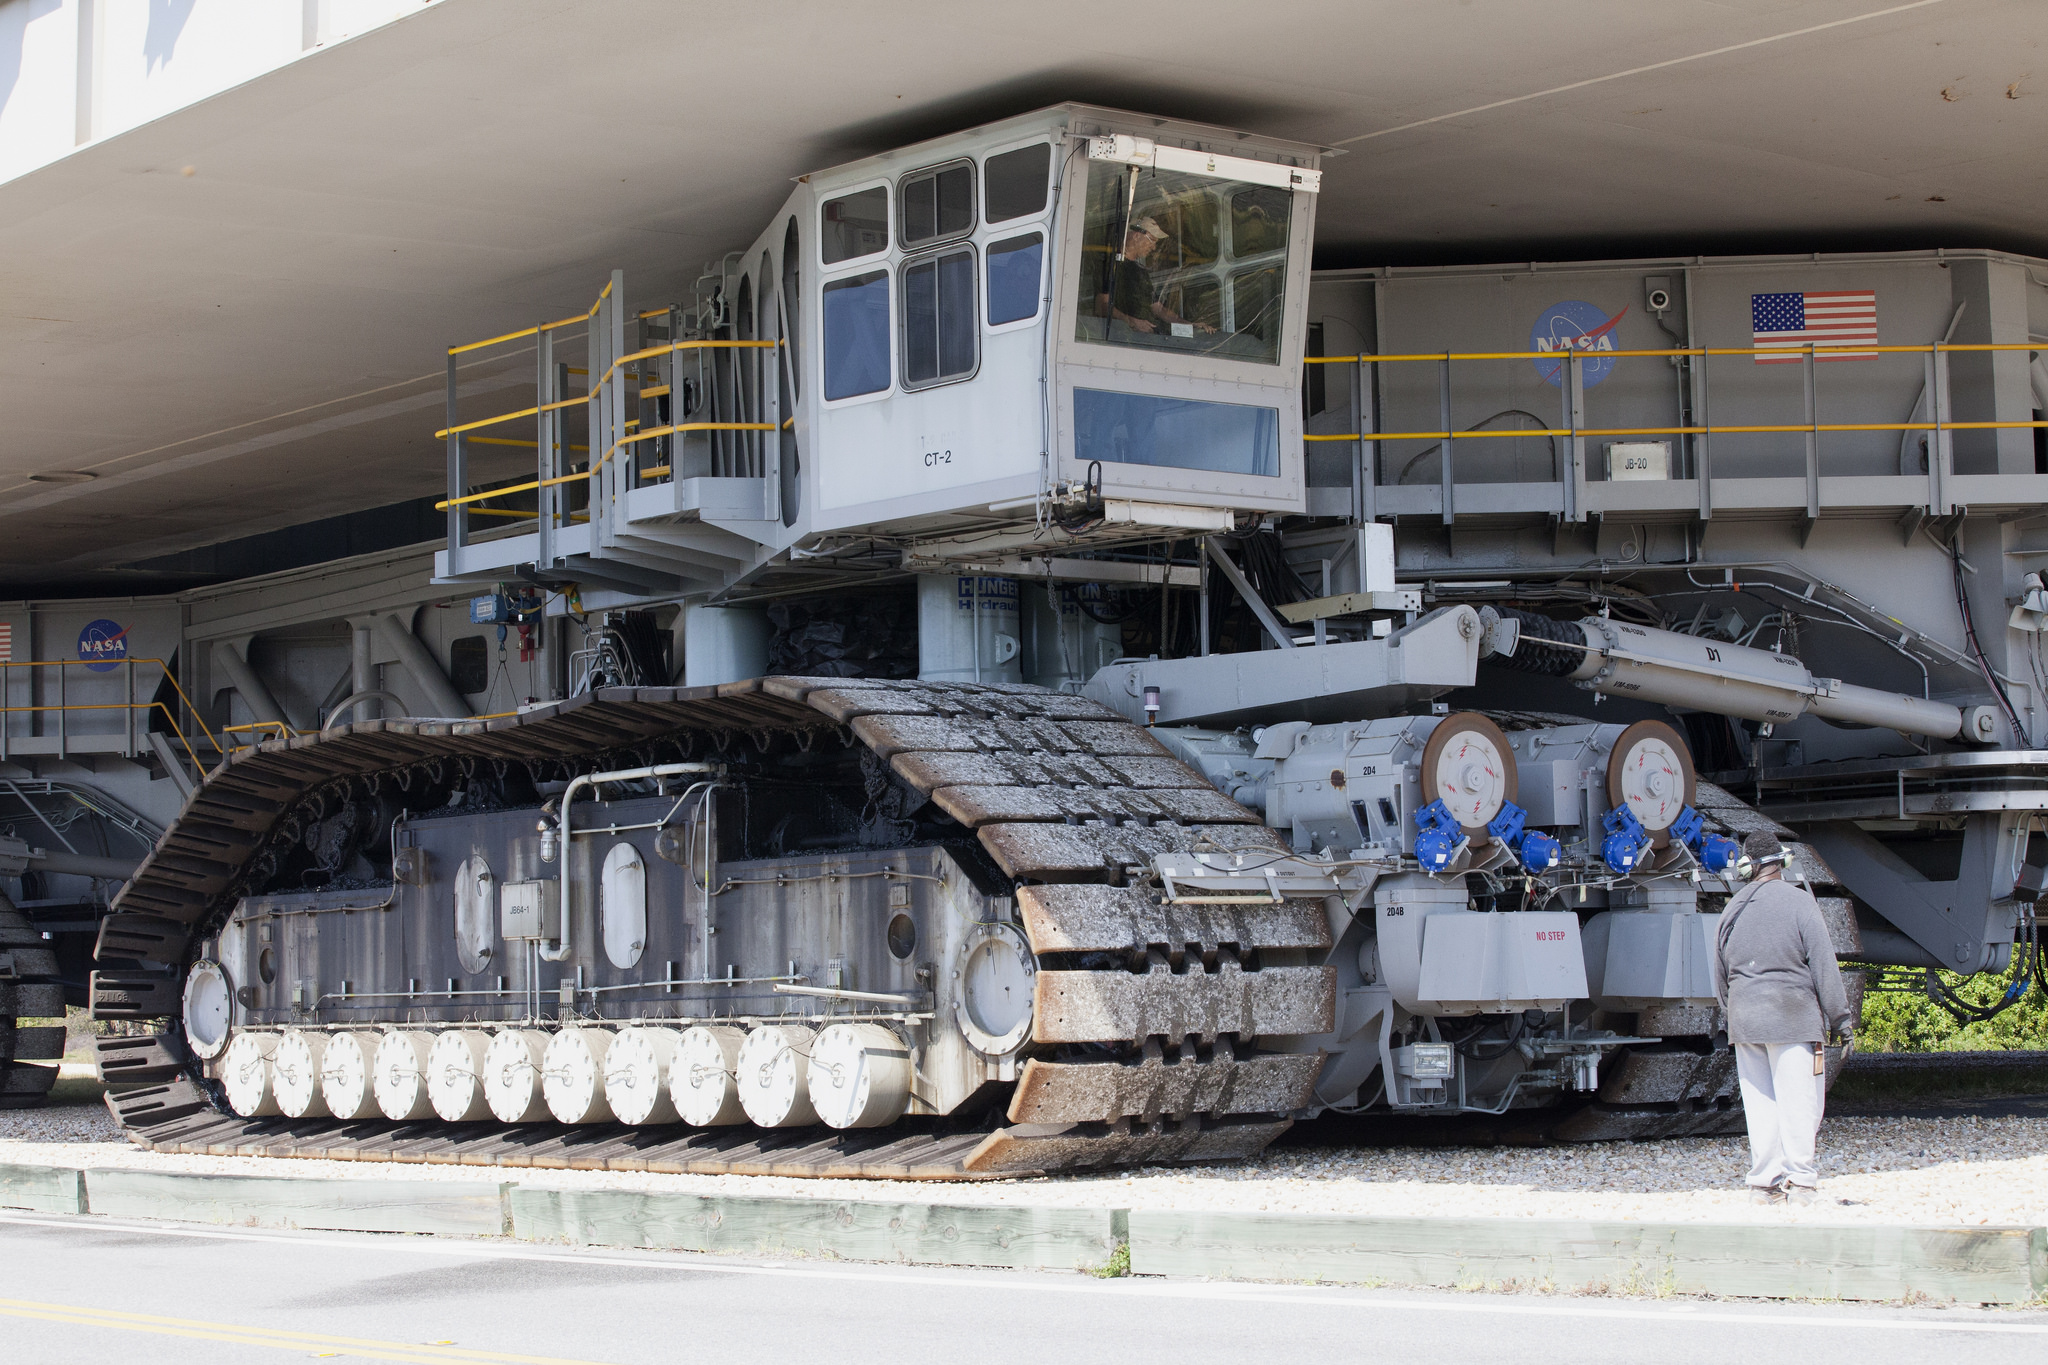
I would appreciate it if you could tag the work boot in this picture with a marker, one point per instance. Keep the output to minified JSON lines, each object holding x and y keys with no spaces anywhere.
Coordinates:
{"x":1766,"y":1194}
{"x":1801,"y":1195}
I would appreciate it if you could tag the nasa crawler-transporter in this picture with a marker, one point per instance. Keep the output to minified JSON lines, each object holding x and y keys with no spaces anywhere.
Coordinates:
{"x":1133,"y":694}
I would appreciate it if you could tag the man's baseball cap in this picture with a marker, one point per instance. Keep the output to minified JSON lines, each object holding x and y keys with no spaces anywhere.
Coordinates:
{"x":1150,"y":227}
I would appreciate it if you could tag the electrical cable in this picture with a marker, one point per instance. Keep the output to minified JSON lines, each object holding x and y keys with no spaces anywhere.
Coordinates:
{"x":1427,"y":451}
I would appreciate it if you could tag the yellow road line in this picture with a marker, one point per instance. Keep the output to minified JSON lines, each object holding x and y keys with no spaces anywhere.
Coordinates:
{"x":312,"y":1342}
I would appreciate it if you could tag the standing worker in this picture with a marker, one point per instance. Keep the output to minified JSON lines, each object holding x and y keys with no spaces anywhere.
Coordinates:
{"x":1776,"y":976}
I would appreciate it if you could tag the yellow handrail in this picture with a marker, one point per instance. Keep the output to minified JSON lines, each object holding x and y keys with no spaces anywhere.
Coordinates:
{"x":585,"y":398}
{"x":1672,"y":431}
{"x":622,"y":441}
{"x":283,"y":731}
{"x":523,"y":332}
{"x":679,"y":346}
{"x":507,"y":492}
{"x":169,"y":677}
{"x":144,"y":706}
{"x":511,"y":416}
{"x":1818,"y":350}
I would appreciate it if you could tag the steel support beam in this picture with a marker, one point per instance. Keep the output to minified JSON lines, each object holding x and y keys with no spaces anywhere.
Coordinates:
{"x":263,"y":707}
{"x":421,"y":666}
{"x":1251,"y":597}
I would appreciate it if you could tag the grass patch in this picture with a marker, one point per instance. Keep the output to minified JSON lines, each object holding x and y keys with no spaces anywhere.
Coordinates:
{"x":1117,"y":1266}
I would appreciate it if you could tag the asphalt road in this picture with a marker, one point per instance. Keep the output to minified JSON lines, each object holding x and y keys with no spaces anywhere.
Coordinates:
{"x":85,"y":1289}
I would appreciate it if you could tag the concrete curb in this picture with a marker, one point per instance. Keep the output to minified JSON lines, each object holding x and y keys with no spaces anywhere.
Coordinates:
{"x":436,"y":1207}
{"x":1843,"y":1261}
{"x":855,"y":1230}
{"x":1846,"y":1261}
{"x":42,"y":1189}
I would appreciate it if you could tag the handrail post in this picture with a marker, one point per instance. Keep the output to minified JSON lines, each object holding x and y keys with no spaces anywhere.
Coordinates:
{"x":1703,"y":461}
{"x":1939,"y":451}
{"x":1812,"y":441}
{"x":1443,"y":403}
{"x":456,"y":478}
{"x":544,"y":446}
{"x":615,"y":404}
{"x":1358,"y":452}
{"x":1575,"y":398}
{"x":1369,"y":451}
{"x":593,"y":401}
{"x":128,"y":711}
{"x":63,"y":713}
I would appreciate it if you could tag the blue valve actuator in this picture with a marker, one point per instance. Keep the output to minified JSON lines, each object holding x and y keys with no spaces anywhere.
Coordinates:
{"x":1438,"y":837}
{"x":1716,"y":852}
{"x":1627,"y":841}
{"x":1537,"y":851}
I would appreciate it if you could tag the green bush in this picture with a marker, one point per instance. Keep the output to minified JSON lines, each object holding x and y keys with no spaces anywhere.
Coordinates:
{"x":1907,"y":1021}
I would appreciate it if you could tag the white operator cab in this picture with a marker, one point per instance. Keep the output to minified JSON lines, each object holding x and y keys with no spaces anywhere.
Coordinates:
{"x":1101,"y":309}
{"x":1073,"y":297}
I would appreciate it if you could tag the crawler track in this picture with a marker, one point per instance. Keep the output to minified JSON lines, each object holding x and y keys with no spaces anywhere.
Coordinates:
{"x":1065,"y":795}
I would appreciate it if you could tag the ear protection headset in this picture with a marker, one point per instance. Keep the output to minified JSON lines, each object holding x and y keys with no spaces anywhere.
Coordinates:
{"x":1747,"y":868}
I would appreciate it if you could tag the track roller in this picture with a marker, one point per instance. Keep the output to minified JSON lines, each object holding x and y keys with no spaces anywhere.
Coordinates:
{"x":859,"y":1076}
{"x":512,"y":1066}
{"x":398,"y":1074}
{"x":774,"y":1076}
{"x":636,"y":1075}
{"x":455,"y":1075}
{"x":295,"y":1075}
{"x":704,"y":1076}
{"x":246,"y":1076}
{"x":572,"y":1075}
{"x":345,"y":1076}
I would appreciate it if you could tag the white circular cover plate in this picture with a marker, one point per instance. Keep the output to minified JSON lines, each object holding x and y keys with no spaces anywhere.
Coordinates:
{"x":209,"y":1009}
{"x":572,"y":1075}
{"x":455,"y":1075}
{"x":702,"y":1076}
{"x":345,"y":1076}
{"x":295,"y":1075}
{"x":636,"y":1075}
{"x":245,"y":1074}
{"x":859,"y":1076}
{"x":512,"y":1076}
{"x":995,"y":983}
{"x":774,"y":1076}
{"x":398,"y":1074}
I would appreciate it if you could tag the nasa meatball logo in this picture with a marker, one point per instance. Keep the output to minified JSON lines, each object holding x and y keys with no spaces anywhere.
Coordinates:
{"x":1574,"y":325}
{"x":102,"y":645}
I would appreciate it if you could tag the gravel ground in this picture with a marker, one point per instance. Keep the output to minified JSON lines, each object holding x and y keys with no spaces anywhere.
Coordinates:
{"x":1874,"y":1170}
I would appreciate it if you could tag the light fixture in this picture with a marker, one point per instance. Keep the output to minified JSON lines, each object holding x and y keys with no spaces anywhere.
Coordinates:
{"x":63,"y":476}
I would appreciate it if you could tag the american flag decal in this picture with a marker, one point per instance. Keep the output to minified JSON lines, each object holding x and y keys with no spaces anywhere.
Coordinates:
{"x":6,"y":642}
{"x":1831,"y":323}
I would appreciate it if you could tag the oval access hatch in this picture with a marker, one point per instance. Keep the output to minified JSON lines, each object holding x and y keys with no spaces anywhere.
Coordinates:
{"x":623,"y":901}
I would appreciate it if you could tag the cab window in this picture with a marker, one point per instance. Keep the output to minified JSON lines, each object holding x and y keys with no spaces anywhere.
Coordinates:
{"x":1014,"y":266}
{"x":1015,"y":183}
{"x":1179,"y":262}
{"x":938,"y":203}
{"x":939,"y":335}
{"x":856,"y":323}
{"x":854,"y":225}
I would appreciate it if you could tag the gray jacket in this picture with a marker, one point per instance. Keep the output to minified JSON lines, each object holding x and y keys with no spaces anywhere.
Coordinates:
{"x":1775,"y":970}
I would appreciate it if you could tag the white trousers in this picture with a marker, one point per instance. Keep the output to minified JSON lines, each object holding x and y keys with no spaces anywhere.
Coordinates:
{"x":1782,"y":1101}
